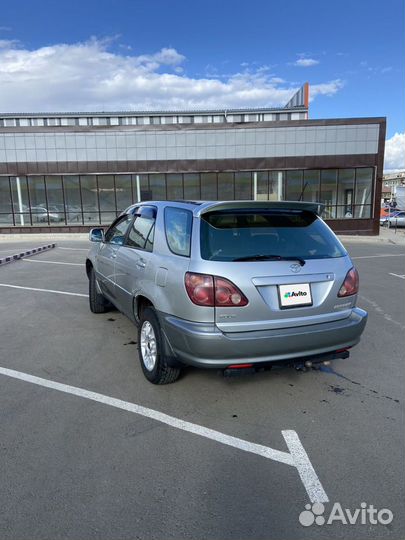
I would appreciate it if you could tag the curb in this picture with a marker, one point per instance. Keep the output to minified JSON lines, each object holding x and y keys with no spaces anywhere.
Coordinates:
{"x":372,"y":239}
{"x":43,"y":237}
{"x":22,"y":255}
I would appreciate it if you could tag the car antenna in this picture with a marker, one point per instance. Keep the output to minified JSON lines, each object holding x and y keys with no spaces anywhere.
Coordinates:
{"x":302,"y":192}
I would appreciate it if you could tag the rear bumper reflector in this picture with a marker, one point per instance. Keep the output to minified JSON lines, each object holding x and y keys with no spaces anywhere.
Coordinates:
{"x":240,"y":366}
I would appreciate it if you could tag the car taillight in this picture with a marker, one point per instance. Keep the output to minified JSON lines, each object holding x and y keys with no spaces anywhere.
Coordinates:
{"x":350,"y":285}
{"x":206,"y":290}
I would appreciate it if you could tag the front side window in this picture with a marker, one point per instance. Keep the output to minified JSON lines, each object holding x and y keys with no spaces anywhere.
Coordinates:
{"x":116,"y":233}
{"x":233,"y":235}
{"x":178,"y":222}
{"x":141,"y":232}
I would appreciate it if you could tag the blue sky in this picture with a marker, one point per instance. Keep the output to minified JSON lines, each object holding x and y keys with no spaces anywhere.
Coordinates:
{"x":105,"y":54}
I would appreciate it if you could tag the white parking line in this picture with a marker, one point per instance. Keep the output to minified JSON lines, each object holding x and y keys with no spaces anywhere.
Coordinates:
{"x":377,"y":256}
{"x":73,"y":249}
{"x":52,"y":262}
{"x":296,"y":457}
{"x":381,"y":312}
{"x":396,"y":275}
{"x":43,"y":290}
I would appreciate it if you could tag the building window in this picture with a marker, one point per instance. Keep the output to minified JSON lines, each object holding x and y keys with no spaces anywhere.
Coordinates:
{"x":69,"y":121}
{"x":311,"y":186}
{"x":73,"y":199}
{"x":123,"y":191}
{"x":53,"y":121}
{"x":174,"y":183}
{"x":6,"y":208}
{"x":209,"y":186}
{"x":36,"y":122}
{"x":106,"y":193}
{"x":144,"y":190}
{"x":20,"y":200}
{"x":100,"y":121}
{"x":293,"y":186}
{"x":362,"y":196}
{"x":54,"y":191}
{"x":262,"y":193}
{"x":192,"y":186}
{"x":276,"y":185}
{"x":243,"y":185}
{"x":90,"y":199}
{"x":345,"y":198}
{"x":329,"y":192}
{"x":157,"y":185}
{"x":38,"y":202}
{"x":226,"y":186}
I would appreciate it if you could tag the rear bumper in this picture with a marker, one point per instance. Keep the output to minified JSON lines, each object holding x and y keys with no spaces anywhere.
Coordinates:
{"x":203,"y":345}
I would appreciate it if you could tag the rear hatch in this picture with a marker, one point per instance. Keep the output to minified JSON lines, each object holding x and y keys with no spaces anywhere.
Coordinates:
{"x":284,"y":259}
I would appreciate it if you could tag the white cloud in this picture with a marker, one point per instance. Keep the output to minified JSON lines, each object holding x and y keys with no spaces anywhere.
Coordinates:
{"x":395,"y":153}
{"x":328,"y":89}
{"x":8,"y":43}
{"x":90,"y":76}
{"x":306,"y":62}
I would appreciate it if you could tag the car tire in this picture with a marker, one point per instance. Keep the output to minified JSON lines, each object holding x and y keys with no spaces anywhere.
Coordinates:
{"x":98,"y":302}
{"x":151,"y":350}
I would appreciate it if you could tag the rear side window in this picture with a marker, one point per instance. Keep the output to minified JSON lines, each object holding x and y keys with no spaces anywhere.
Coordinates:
{"x":229,"y":235}
{"x":178,"y":222}
{"x":141,"y":233}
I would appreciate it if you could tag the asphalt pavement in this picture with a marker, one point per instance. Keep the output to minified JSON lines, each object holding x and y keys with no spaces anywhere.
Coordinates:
{"x":76,"y":468}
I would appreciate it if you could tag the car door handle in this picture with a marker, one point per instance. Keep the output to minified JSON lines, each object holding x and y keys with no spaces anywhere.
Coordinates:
{"x":114,"y":256}
{"x":141,"y":264}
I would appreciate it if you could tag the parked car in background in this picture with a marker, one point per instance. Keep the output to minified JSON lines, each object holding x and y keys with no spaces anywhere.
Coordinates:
{"x":42,"y":215}
{"x":227,"y":284}
{"x":73,"y":213}
{"x":387,"y":210}
{"x":395,"y":219}
{"x":91,"y":213}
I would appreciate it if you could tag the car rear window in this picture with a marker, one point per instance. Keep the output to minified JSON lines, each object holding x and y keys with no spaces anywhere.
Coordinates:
{"x":230,"y":235}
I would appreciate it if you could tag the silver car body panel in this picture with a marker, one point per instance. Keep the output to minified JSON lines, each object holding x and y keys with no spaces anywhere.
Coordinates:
{"x":205,"y":345}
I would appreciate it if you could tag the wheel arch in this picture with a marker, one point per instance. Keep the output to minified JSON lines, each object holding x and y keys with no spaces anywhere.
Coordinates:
{"x":140,"y":302}
{"x":89,"y":266}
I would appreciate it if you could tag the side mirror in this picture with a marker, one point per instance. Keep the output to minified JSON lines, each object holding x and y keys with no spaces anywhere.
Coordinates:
{"x":96,"y":235}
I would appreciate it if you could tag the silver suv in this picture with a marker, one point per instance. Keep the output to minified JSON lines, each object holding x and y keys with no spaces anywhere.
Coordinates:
{"x":227,"y":285}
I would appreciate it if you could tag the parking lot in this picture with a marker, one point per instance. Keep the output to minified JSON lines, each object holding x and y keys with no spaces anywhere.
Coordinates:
{"x":78,"y":466}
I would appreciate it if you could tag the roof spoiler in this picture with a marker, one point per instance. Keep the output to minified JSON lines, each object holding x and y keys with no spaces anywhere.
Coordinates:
{"x":314,"y":207}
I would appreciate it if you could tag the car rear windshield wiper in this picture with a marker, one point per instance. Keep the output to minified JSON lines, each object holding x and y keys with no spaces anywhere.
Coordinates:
{"x":269,"y":258}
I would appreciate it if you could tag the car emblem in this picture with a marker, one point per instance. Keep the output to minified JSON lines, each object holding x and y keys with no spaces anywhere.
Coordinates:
{"x":295,"y":268}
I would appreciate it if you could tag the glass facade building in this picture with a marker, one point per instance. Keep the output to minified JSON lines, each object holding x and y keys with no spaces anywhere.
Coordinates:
{"x":68,"y":172}
{"x":98,"y":198}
